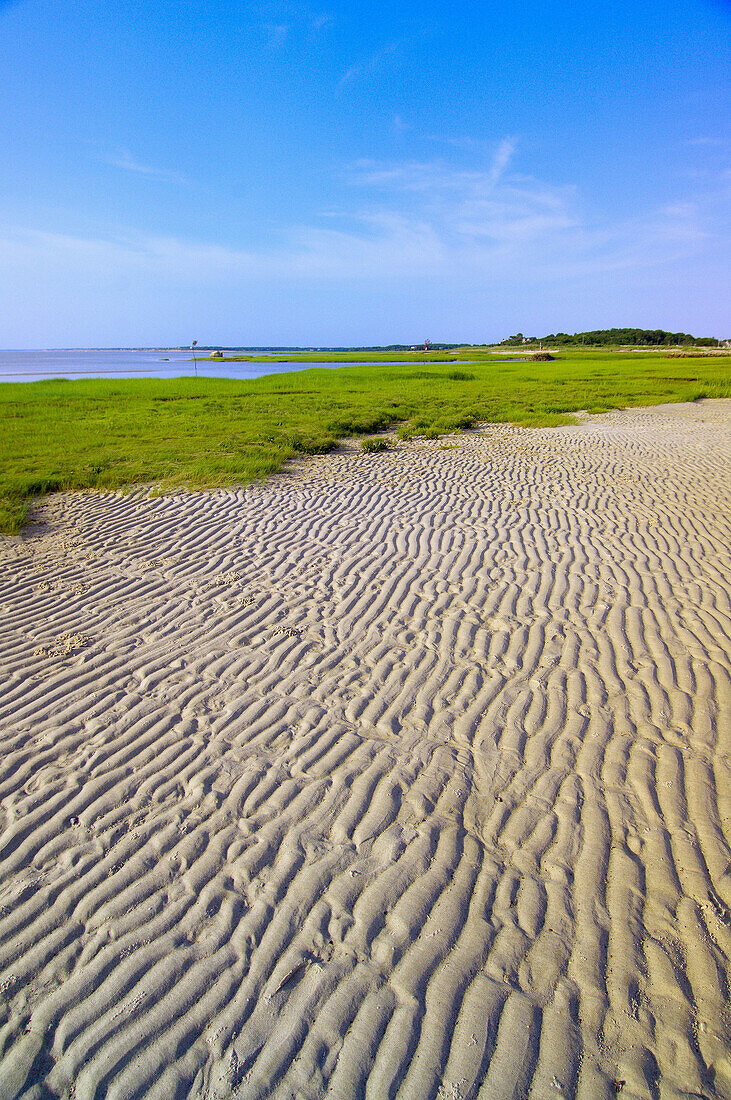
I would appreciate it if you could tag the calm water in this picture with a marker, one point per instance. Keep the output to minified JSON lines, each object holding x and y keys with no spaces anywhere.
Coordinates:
{"x":30,"y":366}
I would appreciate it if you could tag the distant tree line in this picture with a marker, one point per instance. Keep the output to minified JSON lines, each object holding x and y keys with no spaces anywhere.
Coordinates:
{"x":640,"y":337}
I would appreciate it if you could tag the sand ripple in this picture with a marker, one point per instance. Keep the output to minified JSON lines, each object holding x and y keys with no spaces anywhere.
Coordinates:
{"x":399,"y":776}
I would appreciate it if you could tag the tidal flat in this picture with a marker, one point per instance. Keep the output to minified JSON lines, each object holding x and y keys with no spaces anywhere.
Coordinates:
{"x":398,"y":774}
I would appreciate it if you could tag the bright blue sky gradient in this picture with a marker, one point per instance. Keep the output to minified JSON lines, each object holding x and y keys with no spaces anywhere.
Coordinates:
{"x":290,"y":173}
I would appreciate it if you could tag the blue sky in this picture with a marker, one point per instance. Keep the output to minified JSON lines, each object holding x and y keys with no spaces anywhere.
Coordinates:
{"x":302,"y":173}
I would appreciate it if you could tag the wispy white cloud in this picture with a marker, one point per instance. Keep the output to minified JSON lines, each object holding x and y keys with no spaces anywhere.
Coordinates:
{"x":428,"y":177}
{"x":127,"y":163}
{"x":458,"y":141}
{"x":707,"y":141}
{"x":371,"y":65}
{"x":520,"y":242}
{"x":277,"y":34}
{"x":497,"y":222}
{"x":282,"y":21}
{"x":412,"y":221}
{"x":435,"y":177}
{"x":526,"y":248}
{"x":320,"y":19}
{"x":502,"y":158}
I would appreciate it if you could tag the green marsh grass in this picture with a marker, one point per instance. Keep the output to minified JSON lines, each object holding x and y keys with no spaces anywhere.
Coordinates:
{"x":205,"y":432}
{"x":373,"y":446}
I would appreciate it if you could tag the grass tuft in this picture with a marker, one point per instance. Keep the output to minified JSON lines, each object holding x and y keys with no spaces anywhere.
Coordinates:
{"x":373,"y":446}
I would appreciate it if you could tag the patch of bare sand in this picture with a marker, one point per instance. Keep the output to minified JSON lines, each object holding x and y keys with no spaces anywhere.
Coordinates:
{"x":397,"y":776}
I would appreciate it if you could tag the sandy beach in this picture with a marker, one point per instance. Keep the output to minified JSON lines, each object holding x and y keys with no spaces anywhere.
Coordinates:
{"x":403,"y":775}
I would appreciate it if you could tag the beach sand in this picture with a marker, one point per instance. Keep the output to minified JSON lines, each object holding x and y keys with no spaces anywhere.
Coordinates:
{"x":399,"y":775}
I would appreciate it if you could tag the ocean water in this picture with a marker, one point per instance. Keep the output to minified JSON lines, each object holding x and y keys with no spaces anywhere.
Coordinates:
{"x":31,"y":366}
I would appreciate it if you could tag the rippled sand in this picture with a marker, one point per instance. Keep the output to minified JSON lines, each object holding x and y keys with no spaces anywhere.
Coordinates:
{"x":402,"y":775}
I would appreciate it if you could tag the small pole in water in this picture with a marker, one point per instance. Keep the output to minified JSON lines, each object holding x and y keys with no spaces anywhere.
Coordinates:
{"x":195,"y":361}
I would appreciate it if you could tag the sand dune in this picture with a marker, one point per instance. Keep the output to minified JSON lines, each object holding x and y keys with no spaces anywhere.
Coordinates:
{"x":397,"y":776}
